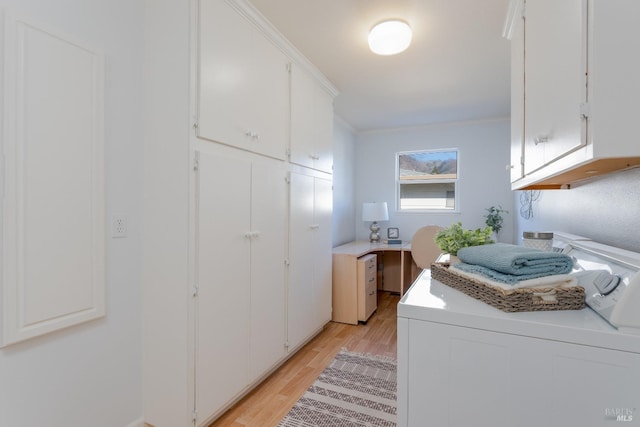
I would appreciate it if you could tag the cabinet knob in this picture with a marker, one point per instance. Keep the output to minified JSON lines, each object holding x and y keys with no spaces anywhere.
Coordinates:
{"x":541,"y":139}
{"x":251,"y":134}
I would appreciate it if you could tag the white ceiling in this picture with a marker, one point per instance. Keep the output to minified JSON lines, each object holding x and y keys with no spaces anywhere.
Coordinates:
{"x":457,"y":67}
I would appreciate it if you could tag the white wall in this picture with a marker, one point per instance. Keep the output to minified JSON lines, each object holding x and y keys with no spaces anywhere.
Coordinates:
{"x":484,"y":181}
{"x":91,"y":374}
{"x":605,"y":209}
{"x":166,"y":266}
{"x":343,"y":183}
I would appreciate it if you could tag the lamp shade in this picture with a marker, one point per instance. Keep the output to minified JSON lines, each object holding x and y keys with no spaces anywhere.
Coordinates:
{"x":375,"y":211}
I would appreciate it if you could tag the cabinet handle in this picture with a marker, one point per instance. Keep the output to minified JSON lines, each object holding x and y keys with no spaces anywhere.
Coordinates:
{"x":372,"y":292}
{"x":509,"y":167}
{"x":314,"y":157}
{"x":372,"y":279}
{"x":541,"y":139}
{"x":314,"y":226}
{"x":251,"y":134}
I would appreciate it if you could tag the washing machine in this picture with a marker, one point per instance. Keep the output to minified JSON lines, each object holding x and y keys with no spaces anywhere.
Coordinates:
{"x":463,"y":363}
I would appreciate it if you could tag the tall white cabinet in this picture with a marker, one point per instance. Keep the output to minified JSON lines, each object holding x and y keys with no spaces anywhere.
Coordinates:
{"x":309,"y":294}
{"x":238,"y":266}
{"x":240,"y":254}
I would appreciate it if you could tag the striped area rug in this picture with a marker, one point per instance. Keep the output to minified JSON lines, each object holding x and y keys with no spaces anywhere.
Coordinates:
{"x":354,"y":390}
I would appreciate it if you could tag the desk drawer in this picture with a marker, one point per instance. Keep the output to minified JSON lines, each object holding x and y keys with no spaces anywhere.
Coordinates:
{"x":367,"y":286}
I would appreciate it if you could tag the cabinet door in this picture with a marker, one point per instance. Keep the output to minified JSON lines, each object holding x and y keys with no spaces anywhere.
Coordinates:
{"x":517,"y":98}
{"x":555,"y":66}
{"x":322,"y":245}
{"x":243,"y":89}
{"x":268,"y":225}
{"x":223,"y":207}
{"x":269,"y":99}
{"x":224,"y":74}
{"x":300,"y":308}
{"x":302,"y":121}
{"x":311,"y":122}
{"x":324,"y":132}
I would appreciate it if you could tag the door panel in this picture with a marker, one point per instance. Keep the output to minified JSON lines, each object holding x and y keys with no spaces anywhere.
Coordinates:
{"x":222,"y":270}
{"x":323,"y":207}
{"x":224,"y":74}
{"x":555,"y":79}
{"x":268,"y":220}
{"x":301,"y":272}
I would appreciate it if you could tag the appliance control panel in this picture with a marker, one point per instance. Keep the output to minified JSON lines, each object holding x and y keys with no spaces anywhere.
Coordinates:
{"x":611,"y":279}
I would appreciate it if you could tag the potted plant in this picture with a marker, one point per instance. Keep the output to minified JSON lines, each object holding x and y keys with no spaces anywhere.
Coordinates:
{"x":450,"y":240}
{"x":494,"y":218}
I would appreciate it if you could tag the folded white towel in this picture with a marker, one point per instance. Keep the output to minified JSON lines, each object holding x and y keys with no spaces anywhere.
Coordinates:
{"x":553,"y":281}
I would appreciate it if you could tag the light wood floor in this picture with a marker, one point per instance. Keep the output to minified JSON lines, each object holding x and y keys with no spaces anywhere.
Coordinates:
{"x":267,"y":404}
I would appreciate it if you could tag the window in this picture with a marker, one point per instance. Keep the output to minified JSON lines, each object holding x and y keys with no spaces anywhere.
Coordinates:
{"x":427,"y":180}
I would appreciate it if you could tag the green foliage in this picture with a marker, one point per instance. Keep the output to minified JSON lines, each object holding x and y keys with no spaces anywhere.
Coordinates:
{"x":494,"y":218}
{"x":452,"y":239}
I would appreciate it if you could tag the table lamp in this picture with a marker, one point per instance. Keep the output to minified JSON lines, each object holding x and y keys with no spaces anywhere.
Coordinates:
{"x":375,"y":211}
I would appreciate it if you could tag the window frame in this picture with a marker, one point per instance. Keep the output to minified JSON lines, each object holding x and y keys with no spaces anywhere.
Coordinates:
{"x":455,"y":181}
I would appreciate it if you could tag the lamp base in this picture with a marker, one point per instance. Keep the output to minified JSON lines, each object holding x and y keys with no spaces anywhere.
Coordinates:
{"x":374,"y":237}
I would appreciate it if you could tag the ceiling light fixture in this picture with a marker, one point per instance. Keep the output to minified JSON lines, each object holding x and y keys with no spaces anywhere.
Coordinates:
{"x":390,"y":37}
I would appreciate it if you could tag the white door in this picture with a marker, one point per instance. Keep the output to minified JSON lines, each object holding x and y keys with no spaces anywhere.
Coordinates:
{"x":324,"y":130}
{"x":517,"y":100}
{"x":268,"y":227}
{"x":555,"y":66}
{"x":268,"y":101}
{"x":322,"y":245}
{"x":224,"y":74}
{"x":223,"y":206}
{"x":302,"y":119}
{"x":300,"y":307}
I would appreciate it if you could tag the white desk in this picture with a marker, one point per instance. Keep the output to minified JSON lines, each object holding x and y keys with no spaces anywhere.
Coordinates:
{"x":397,"y":265}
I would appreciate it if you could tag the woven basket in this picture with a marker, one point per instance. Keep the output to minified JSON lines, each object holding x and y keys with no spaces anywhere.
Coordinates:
{"x":521,"y":299}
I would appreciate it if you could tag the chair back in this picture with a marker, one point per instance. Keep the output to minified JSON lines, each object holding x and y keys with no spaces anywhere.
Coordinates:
{"x":423,"y":246}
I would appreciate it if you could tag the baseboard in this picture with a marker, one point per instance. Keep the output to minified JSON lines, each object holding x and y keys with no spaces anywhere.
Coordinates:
{"x":137,"y":423}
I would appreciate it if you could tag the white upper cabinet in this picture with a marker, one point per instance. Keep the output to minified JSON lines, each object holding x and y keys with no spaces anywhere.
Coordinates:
{"x":243,"y":83}
{"x":517,"y":98}
{"x":311,"y":122}
{"x":555,"y":69}
{"x":573,"y":89}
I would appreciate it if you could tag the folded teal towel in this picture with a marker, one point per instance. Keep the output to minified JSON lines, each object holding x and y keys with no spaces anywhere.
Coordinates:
{"x":510,"y":263}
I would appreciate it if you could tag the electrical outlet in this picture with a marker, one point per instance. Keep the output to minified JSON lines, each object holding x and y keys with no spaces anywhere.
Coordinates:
{"x":118,"y":226}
